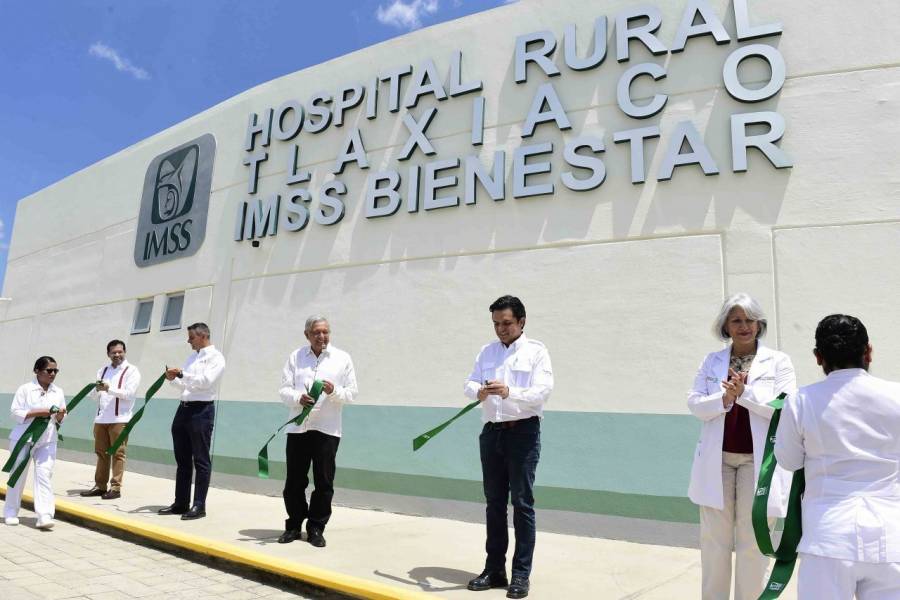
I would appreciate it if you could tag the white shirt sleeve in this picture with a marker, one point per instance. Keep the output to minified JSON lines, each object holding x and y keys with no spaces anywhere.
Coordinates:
{"x":702,"y":405}
{"x":789,"y":451}
{"x":19,"y":408}
{"x":345,"y":390}
{"x":289,"y":394}
{"x":473,"y":383}
{"x":207,"y":376}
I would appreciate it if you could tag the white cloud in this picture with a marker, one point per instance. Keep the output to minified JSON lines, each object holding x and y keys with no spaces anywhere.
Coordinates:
{"x":405,"y":15}
{"x":101,"y":50}
{"x":4,"y":245}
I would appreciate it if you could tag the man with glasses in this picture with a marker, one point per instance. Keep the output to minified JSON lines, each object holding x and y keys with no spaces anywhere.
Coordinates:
{"x":117,"y":384}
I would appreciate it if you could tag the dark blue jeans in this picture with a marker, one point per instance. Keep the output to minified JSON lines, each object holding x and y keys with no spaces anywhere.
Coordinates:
{"x":509,"y":458}
{"x":191,"y":437}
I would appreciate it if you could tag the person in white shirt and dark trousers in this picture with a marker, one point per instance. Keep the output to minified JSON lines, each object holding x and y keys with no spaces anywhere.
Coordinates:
{"x":844,"y":431}
{"x":115,"y":393}
{"x":35,"y":400}
{"x":192,"y":428}
{"x":316,"y":440}
{"x":512,"y":378}
{"x":730,"y":395}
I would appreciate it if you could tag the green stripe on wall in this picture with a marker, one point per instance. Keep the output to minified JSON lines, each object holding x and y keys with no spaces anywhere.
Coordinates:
{"x":630,"y":465}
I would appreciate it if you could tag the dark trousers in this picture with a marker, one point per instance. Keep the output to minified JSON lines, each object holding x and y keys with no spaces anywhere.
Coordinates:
{"x":509,"y":458}
{"x":302,"y":449}
{"x":192,"y":430}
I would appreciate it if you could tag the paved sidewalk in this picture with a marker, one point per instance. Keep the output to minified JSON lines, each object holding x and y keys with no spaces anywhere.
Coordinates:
{"x":75,"y":563}
{"x":417,"y":556}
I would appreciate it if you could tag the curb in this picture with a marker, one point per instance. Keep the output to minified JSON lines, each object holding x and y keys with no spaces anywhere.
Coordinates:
{"x":345,"y":584}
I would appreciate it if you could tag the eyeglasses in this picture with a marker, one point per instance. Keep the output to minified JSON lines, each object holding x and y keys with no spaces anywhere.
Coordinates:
{"x":50,"y":371}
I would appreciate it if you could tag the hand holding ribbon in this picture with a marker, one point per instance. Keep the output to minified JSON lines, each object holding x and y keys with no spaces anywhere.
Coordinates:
{"x":262,"y":458}
{"x":786,"y":554}
{"x":29,"y":437}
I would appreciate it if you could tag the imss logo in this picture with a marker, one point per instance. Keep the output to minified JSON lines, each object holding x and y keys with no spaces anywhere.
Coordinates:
{"x":175,"y":201}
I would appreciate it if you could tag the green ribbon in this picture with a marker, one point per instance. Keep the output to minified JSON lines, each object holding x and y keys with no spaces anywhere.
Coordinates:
{"x":31,"y":435}
{"x":786,"y":554}
{"x":422,"y":439}
{"x":154,"y":387}
{"x":70,"y":406}
{"x":262,"y":458}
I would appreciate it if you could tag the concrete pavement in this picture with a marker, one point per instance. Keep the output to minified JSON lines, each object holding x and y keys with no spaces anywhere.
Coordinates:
{"x":378,"y":554}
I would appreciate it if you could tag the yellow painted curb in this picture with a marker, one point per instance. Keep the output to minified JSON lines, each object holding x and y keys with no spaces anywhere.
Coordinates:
{"x":346,"y":584}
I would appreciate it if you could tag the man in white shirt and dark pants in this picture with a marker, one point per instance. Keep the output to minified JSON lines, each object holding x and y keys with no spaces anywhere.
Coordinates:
{"x":198,"y":381}
{"x":845,"y":432}
{"x":315,"y":441}
{"x":513,"y":379}
{"x":117,"y":385}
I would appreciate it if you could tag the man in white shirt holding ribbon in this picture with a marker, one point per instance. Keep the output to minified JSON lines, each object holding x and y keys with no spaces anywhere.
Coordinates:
{"x":844,"y":431}
{"x":512,"y":378}
{"x":192,"y":428}
{"x":315,"y":441}
{"x":117,"y":385}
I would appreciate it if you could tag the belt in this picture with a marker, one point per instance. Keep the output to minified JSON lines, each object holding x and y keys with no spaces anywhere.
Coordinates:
{"x":187,"y":403}
{"x":508,"y":424}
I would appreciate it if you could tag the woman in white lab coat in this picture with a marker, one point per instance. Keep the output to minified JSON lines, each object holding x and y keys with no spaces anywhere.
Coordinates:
{"x":730,"y":396}
{"x":38,"y":398}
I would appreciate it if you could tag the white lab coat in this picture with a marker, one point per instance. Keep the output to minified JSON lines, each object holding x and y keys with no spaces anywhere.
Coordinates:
{"x":845,"y":432}
{"x":770,"y":374}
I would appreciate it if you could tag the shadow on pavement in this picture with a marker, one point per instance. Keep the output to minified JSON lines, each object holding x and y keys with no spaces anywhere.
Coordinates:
{"x":260,"y":536}
{"x":420,"y":576}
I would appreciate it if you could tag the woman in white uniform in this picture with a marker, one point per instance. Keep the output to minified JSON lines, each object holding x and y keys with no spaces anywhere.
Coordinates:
{"x":730,"y":396}
{"x":36,"y":399}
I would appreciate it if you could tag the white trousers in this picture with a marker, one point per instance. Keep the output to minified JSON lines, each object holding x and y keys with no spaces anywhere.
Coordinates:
{"x":43,"y":456}
{"x":731,"y":530}
{"x":824,"y":578}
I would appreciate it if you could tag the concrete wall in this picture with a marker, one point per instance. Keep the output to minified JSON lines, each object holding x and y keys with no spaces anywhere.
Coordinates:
{"x":621,"y":282}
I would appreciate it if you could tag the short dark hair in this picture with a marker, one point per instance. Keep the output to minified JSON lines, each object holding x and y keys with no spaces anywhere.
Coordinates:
{"x":113,"y":343}
{"x":510,"y":302}
{"x":42,"y":362}
{"x":201,"y":328}
{"x":841,"y":341}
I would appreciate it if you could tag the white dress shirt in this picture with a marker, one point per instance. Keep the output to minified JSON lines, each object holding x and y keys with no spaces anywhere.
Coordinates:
{"x":31,"y":396}
{"x":524,"y":367}
{"x":301,"y":369}
{"x":201,"y":375}
{"x":116,"y":404}
{"x":845,"y":432}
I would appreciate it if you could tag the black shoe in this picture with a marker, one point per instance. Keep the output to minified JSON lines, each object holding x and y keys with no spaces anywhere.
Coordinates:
{"x":112,"y":495}
{"x":315,"y":538}
{"x":488,"y":580}
{"x":518,"y":587}
{"x":289,"y":536}
{"x":174,"y":509}
{"x":196,"y":512}
{"x":94,"y":491}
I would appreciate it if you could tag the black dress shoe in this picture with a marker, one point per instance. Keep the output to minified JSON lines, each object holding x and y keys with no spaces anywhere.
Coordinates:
{"x":289,"y":536}
{"x":518,"y":587}
{"x":196,"y":512}
{"x":172,"y":510}
{"x":315,"y":538}
{"x":94,"y":491}
{"x":112,"y":495}
{"x":488,"y":580}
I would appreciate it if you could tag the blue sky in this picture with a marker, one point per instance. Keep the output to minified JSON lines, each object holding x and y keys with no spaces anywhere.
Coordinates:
{"x":81,"y":80}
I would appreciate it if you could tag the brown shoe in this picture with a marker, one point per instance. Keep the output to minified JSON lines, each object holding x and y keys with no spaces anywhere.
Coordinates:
{"x":112,"y":495}
{"x":94,"y":491}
